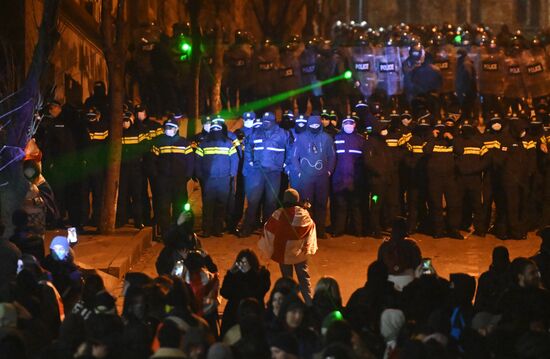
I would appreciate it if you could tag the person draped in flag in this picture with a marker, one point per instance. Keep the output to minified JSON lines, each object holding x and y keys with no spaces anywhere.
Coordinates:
{"x":289,"y":238}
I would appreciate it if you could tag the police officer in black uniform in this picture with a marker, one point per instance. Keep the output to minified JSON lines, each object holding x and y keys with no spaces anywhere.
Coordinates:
{"x":415,"y":162}
{"x":174,"y":166}
{"x":153,"y":129}
{"x":492,"y":182}
{"x":95,"y":161}
{"x":442,"y":181}
{"x":130,"y":189}
{"x":57,"y":138}
{"x":471,"y":162}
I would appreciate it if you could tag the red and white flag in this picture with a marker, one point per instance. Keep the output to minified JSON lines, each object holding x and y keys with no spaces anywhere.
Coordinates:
{"x":289,"y":236}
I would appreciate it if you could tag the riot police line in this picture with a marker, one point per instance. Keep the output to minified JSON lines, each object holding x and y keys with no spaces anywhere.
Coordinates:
{"x":400,"y":137}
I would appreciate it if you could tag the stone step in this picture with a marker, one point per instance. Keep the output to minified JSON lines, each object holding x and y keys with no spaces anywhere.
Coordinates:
{"x":113,"y":254}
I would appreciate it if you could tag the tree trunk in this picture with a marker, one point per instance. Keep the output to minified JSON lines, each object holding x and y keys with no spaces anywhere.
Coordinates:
{"x":194,"y":7}
{"x":216,"y":102}
{"x":112,"y":178}
{"x":115,"y":37}
{"x":14,"y":185}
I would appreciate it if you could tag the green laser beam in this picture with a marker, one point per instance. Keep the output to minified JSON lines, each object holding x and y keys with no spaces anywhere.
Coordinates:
{"x":262,"y":103}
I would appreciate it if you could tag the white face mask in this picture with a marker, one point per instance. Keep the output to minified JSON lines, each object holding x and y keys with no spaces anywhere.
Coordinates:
{"x":314,"y":126}
{"x":406,"y":121}
{"x":384,"y":132}
{"x":142,"y":115}
{"x":496,"y":126}
{"x":248,"y":123}
{"x":126,"y":124}
{"x":206,"y":127}
{"x":523,"y":134}
{"x":348,"y":128}
{"x":170,"y":131}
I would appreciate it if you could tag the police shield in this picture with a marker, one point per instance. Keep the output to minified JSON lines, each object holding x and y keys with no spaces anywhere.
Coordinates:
{"x":363,"y":68}
{"x":388,"y":70}
{"x":308,"y":69}
{"x":491,"y":73}
{"x":237,"y":64}
{"x":264,"y":70}
{"x":289,"y":72}
{"x":444,"y":58}
{"x":514,"y":86}
{"x":536,"y":75}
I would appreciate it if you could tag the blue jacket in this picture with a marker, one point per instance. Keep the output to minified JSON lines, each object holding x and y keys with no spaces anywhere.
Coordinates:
{"x":313,"y":154}
{"x":266,"y":148}
{"x":216,"y":156}
{"x":349,"y":171}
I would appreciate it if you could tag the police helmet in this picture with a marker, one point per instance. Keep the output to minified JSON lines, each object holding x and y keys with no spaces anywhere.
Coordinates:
{"x":296,"y":38}
{"x":240,"y":36}
{"x":535,"y":118}
{"x":325,"y":114}
{"x":423,"y":122}
{"x":127,"y":116}
{"x":268,"y":117}
{"x":467,"y":123}
{"x":439,"y":123}
{"x":362,"y":40}
{"x":288,"y":114}
{"x":206,"y":119}
{"x":218,"y":119}
{"x":495,"y":117}
{"x":416,"y":51}
{"x":361,"y":104}
{"x":348,"y":119}
{"x":375,"y":108}
{"x":512,"y":116}
{"x":383,"y":119}
{"x":171,"y":122}
{"x":249,"y":115}
{"x":406,"y":115}
{"x":92,"y":113}
{"x":425,"y":117}
{"x":301,"y":120}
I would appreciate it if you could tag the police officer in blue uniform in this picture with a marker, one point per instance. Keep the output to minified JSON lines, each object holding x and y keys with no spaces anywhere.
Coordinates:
{"x":174,"y":167}
{"x":265,"y":151}
{"x":232,"y":219}
{"x":216,"y":164}
{"x":313,"y":160}
{"x":348,"y":179}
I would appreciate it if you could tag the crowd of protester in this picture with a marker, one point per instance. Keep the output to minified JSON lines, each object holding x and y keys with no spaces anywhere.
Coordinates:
{"x":52,"y":309}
